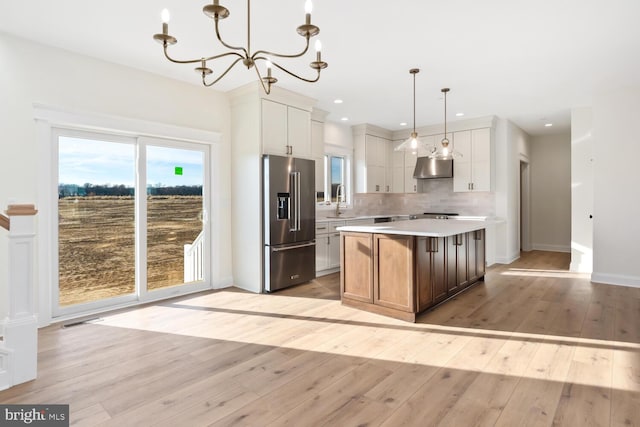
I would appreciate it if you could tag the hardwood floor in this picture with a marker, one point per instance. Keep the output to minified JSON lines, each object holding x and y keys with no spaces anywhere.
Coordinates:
{"x":532,"y":345}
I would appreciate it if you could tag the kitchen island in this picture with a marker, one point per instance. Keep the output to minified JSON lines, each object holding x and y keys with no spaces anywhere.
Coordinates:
{"x":403,"y":268}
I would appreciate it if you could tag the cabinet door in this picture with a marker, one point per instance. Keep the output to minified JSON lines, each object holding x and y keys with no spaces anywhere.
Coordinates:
{"x":375,"y":179}
{"x":394,"y":271}
{"x":461,"y":261}
{"x":462,"y":165}
{"x":356,"y":266}
{"x":322,"y":252}
{"x":410,"y":183}
{"x":481,"y":162}
{"x":388,"y":165}
{"x":397,"y":179}
{"x":430,"y":259}
{"x":299,"y":132}
{"x":476,"y":261}
{"x":274,"y":127}
{"x":457,"y":277}
{"x":333,"y":240}
{"x":397,"y":169}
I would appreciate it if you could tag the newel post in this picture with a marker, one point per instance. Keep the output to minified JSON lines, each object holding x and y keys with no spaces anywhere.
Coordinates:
{"x":20,"y":346}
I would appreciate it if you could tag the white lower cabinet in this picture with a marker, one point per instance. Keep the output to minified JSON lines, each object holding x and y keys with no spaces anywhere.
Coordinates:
{"x":328,"y":244}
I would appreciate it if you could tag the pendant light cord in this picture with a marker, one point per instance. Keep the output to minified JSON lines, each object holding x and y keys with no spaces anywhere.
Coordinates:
{"x":445,"y":115}
{"x":414,"y":102}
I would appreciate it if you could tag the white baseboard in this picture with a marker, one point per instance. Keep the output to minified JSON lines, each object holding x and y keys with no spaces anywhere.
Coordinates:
{"x":616,"y":279}
{"x":581,"y":267}
{"x":551,"y":248}
{"x":508,"y":259}
{"x":224,"y":282}
{"x":326,"y":272}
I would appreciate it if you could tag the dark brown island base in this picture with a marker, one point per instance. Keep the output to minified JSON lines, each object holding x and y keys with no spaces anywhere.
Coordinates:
{"x":411,"y":266}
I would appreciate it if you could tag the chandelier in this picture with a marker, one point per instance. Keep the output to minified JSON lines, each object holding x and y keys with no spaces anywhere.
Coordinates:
{"x":250,"y":60}
{"x":446,"y":150}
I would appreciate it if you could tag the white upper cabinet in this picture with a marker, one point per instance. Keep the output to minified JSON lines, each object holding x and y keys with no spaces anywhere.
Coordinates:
{"x":472,"y":171}
{"x":286,"y":130}
{"x":317,"y":152}
{"x":372,"y":162}
{"x":397,"y":168}
{"x":376,"y":163}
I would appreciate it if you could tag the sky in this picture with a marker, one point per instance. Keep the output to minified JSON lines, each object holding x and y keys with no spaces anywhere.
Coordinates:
{"x":98,"y":162}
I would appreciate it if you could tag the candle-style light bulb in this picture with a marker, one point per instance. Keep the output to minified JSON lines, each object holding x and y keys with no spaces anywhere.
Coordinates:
{"x":308,"y":8}
{"x":165,"y":16}
{"x":269,"y":66}
{"x":318,"y":51}
{"x":414,"y":143}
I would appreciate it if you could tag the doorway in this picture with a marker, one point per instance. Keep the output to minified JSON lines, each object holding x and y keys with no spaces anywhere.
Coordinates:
{"x":525,"y":206}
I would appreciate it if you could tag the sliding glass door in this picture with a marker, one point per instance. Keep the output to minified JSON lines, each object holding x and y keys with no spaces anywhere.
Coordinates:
{"x":131,"y":220}
{"x":175,"y":211}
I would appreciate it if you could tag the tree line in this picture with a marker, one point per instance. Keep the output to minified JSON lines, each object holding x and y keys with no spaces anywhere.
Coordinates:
{"x":121,"y":190}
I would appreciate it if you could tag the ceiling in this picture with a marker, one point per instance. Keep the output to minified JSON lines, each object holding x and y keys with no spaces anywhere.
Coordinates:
{"x":528,"y":61}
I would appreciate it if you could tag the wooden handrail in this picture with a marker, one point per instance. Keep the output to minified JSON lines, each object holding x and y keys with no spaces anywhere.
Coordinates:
{"x":21,"y":210}
{"x":4,"y":222}
{"x":16,"y":210}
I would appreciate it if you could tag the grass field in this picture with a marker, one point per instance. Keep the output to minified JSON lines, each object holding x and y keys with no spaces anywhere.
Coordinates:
{"x":97,"y":244}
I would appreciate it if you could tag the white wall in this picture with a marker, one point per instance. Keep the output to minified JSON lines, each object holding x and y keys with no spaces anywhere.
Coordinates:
{"x":551,"y":192}
{"x":511,"y":145}
{"x":616,"y":228}
{"x":337,"y":134}
{"x":582,"y":190}
{"x":32,"y":73}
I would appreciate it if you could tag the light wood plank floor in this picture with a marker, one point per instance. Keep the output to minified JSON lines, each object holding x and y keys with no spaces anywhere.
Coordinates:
{"x":532,"y":345}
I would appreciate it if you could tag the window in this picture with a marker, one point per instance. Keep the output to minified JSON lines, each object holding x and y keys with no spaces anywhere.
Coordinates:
{"x":336,"y":178}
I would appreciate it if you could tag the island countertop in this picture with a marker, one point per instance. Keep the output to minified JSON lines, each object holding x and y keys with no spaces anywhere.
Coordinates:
{"x":419,"y":227}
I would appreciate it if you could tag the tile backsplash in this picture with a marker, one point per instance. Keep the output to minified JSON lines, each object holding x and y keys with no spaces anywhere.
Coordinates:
{"x":436,"y":195}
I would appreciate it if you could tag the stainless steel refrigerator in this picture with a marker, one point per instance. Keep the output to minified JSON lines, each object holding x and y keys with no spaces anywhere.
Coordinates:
{"x":289,"y":221}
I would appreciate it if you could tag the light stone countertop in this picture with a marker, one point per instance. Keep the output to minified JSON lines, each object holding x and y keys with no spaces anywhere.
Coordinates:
{"x":421,"y":227}
{"x":349,"y":217}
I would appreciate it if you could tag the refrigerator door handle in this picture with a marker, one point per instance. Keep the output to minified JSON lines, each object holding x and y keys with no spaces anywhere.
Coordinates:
{"x":286,"y":248}
{"x":294,"y":178}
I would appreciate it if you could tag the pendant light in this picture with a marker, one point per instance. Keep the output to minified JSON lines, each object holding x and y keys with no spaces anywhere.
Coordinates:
{"x":445,"y":151}
{"x":413,"y":142}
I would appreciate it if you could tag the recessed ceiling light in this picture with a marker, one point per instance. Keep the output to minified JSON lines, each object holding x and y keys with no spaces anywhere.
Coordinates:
{"x":344,"y":119}
{"x":403,"y":124}
{"x":337,"y":101}
{"x":548,"y":125}
{"x":459,"y":114}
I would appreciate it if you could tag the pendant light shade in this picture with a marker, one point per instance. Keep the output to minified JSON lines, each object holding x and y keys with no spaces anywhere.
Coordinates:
{"x":445,"y":150}
{"x":412,"y":143}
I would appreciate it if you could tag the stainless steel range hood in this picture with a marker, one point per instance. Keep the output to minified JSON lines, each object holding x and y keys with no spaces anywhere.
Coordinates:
{"x":427,"y":168}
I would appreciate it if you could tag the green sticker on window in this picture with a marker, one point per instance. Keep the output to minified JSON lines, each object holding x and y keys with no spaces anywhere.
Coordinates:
{"x":178,"y":170}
